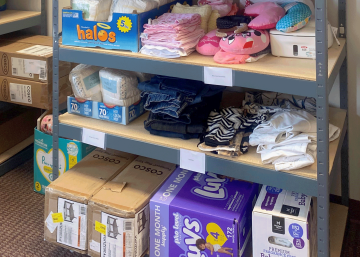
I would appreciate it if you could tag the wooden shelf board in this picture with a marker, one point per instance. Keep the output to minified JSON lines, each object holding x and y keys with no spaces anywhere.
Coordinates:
{"x":270,"y":65}
{"x":16,"y":149}
{"x":8,"y":16}
{"x":136,"y":131}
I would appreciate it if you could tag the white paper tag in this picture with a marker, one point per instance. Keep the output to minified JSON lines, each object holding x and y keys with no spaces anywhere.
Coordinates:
{"x":218,"y":76}
{"x":73,"y":231}
{"x":190,"y":160}
{"x":93,"y":137}
{"x":36,"y":67}
{"x":95,"y":246}
{"x":37,"y":50}
{"x":20,"y":93}
{"x":50,"y":224}
{"x":18,"y":68}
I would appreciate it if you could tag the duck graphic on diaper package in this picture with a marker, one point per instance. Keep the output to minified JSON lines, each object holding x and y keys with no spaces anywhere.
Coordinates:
{"x":201,"y":215}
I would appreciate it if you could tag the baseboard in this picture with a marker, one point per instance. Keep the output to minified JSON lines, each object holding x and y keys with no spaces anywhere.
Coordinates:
{"x":354,"y":206}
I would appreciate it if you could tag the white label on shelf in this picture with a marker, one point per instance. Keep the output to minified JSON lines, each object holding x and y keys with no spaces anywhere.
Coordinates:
{"x":191,"y":160}
{"x":73,"y":230}
{"x":18,"y":68}
{"x":218,"y":76}
{"x":50,"y":224}
{"x":37,"y":50}
{"x":20,"y":93}
{"x":95,"y":246}
{"x":93,"y":137}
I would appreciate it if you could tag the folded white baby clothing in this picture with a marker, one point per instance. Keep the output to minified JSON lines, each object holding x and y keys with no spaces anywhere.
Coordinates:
{"x":164,"y":52}
{"x":295,"y":162}
{"x":128,"y":6}
{"x":93,"y":10}
{"x":283,"y":125}
{"x":300,"y":138}
{"x":85,"y":82}
{"x":118,"y":85}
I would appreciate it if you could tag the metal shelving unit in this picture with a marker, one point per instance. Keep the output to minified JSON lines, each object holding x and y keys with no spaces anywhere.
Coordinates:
{"x":11,"y":21}
{"x":294,"y":76}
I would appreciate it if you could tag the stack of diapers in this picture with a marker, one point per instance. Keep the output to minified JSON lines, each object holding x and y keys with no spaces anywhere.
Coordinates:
{"x":119,"y":87}
{"x":93,"y":10}
{"x":129,"y":6}
{"x":85,"y":82}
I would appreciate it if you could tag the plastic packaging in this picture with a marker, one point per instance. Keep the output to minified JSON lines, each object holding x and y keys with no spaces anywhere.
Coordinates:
{"x":93,"y":10}
{"x":118,"y":86}
{"x":128,"y":6}
{"x":85,"y":82}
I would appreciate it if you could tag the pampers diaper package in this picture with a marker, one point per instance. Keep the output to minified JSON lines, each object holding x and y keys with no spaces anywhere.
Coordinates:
{"x":203,"y":215}
{"x":283,"y":224}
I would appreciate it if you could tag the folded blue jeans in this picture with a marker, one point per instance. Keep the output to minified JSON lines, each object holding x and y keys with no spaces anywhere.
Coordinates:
{"x":171,"y":134}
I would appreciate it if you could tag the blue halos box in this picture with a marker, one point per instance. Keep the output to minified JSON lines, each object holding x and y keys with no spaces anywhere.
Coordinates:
{"x":101,"y":111}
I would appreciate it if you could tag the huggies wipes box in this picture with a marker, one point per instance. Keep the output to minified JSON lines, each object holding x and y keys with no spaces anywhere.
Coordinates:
{"x":201,"y":215}
{"x":281,"y":224}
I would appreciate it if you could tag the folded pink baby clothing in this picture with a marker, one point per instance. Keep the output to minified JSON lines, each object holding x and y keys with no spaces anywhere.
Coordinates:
{"x":171,"y":20}
{"x":170,"y":30}
{"x":229,"y":58}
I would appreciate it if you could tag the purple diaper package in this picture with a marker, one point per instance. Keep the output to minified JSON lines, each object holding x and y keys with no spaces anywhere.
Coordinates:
{"x":284,"y":224}
{"x":201,"y":215}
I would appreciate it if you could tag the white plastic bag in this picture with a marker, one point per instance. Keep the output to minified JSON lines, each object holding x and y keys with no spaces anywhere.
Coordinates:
{"x":128,"y":6}
{"x":85,"y":82}
{"x":93,"y":10}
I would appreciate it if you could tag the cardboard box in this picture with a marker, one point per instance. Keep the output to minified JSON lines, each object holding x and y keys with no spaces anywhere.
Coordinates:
{"x":31,"y":93}
{"x":16,"y":124}
{"x":101,"y":111}
{"x":122,"y":33}
{"x":196,"y":214}
{"x":69,"y":194}
{"x":70,"y":153}
{"x":119,"y":212}
{"x":30,"y":61}
{"x":282,"y":223}
{"x":21,"y":37}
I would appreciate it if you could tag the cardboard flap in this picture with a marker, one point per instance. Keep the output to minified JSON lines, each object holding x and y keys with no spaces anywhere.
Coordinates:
{"x":115,"y":187}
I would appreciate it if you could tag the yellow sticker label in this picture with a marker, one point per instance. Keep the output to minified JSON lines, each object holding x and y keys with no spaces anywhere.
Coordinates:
{"x":215,"y":234}
{"x":99,"y":227}
{"x":124,"y":24}
{"x":72,"y":161}
{"x":37,"y":186}
{"x":57,"y":217}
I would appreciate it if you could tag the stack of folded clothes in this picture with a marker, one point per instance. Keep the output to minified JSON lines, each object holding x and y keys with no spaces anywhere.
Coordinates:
{"x":179,"y":107}
{"x":229,"y":130}
{"x":288,"y":139}
{"x":172,"y":35}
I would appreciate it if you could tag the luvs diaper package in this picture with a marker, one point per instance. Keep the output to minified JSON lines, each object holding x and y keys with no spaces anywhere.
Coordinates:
{"x":283,"y":224}
{"x":201,"y":215}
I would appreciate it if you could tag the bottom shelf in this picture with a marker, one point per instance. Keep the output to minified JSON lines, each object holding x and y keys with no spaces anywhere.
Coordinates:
{"x":338,"y":218}
{"x":15,"y":155}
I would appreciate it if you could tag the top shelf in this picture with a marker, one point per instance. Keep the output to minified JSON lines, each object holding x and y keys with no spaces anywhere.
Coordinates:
{"x":14,"y":20}
{"x":286,"y":75}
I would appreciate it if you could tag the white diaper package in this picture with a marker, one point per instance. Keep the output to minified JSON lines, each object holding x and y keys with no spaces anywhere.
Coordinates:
{"x":119,"y":87}
{"x":128,"y":6}
{"x":283,"y":224}
{"x":85,"y":82}
{"x":93,"y":10}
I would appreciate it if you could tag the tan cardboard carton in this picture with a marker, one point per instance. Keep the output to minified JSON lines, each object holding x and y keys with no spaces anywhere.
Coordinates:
{"x":30,"y":61}
{"x":67,"y":197}
{"x":31,"y":93}
{"x":118,"y":215}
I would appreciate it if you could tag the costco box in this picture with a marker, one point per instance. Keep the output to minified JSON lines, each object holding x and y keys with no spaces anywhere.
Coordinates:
{"x":195,"y":214}
{"x":70,"y":153}
{"x":283,"y":223}
{"x":101,"y":111}
{"x":122,"y":33}
{"x":68,"y":196}
{"x":119,"y":212}
{"x":30,"y":61}
{"x":16,"y":125}
{"x":31,"y":93}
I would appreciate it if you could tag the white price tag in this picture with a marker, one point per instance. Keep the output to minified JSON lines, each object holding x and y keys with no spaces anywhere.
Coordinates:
{"x":32,"y":66}
{"x":190,"y":160}
{"x":218,"y":76}
{"x":93,"y":137}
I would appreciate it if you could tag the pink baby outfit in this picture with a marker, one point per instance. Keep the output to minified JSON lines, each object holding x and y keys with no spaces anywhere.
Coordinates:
{"x":172,"y":33}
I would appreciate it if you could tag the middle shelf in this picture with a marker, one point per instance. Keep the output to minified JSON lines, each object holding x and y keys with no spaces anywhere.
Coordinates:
{"x":133,"y":138}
